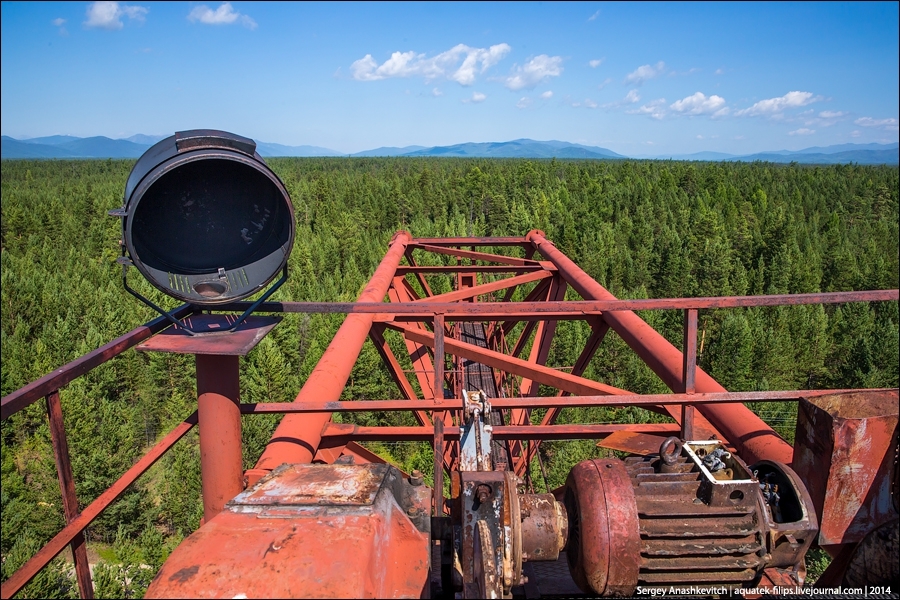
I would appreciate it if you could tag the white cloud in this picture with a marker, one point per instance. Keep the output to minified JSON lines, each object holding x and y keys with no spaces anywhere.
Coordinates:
{"x":594,"y":16}
{"x":802,"y":131}
{"x":832,"y":114}
{"x":224,"y":15}
{"x":108,"y":15}
{"x":59,"y":22}
{"x":534,"y":72}
{"x":719,"y":71}
{"x":590,"y":103}
{"x":605,"y":83}
{"x":775,"y":106}
{"x":523,"y":102}
{"x":699,"y":137}
{"x":886,"y":124}
{"x":855,"y":133}
{"x":461,"y":64}
{"x":699,"y":104}
{"x":478,"y":97}
{"x":596,"y":62}
{"x":547,"y":95}
{"x":632,"y":97}
{"x":436,"y":92}
{"x":655,"y":109}
{"x":644,"y":73}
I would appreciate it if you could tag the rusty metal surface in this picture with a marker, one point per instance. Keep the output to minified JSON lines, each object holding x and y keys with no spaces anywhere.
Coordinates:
{"x":19,"y":399}
{"x":26,"y":572}
{"x":875,"y":559}
{"x":332,"y":485}
{"x":545,"y":527}
{"x":604,"y":535}
{"x":845,"y":445}
{"x":694,"y":524}
{"x":310,"y":531}
{"x":236,"y":343}
{"x":318,"y":556}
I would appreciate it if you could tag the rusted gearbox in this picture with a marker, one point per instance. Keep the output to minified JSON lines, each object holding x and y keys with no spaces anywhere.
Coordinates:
{"x":310,"y":531}
{"x":695,"y":514}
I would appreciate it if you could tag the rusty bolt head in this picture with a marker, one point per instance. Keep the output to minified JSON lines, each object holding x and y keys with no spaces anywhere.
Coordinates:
{"x":412,"y":511}
{"x":416,"y":478}
{"x":483,"y":492}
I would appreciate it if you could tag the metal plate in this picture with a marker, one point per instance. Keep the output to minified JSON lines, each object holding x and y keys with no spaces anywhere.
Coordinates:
{"x":210,"y":339}
{"x":643,"y":444}
{"x":316,"y":485}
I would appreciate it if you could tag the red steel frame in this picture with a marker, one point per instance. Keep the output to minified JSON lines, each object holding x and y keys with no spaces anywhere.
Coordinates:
{"x":697,"y":406}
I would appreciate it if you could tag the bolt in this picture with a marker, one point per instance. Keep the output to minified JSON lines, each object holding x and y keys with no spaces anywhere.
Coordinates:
{"x":416,"y":478}
{"x":412,"y":511}
{"x":483,"y":492}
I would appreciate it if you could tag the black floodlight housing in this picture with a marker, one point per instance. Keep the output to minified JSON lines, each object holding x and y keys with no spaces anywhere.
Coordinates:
{"x":205,"y":220}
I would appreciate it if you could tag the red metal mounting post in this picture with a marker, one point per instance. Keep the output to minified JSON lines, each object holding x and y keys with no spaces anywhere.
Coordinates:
{"x":690,"y":371}
{"x":217,"y":358}
{"x":218,"y":397}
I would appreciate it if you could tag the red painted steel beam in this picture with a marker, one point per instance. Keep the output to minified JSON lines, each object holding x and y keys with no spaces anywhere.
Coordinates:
{"x":516,"y":366}
{"x":540,"y":350}
{"x":453,"y":269}
{"x":559,"y":310}
{"x":40,"y":388}
{"x":538,"y":293}
{"x":396,"y":370}
{"x":487,"y":288}
{"x":473,"y":255}
{"x":548,"y":402}
{"x":51,"y":549}
{"x":471,"y":241}
{"x":296,"y":437}
{"x":418,"y":353}
{"x":753,"y":439}
{"x":599,"y":328}
{"x":420,"y":276}
{"x":500,"y":432}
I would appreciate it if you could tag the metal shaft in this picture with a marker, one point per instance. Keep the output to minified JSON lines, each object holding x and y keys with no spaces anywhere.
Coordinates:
{"x":297,"y":437}
{"x":751,"y":436}
{"x":218,"y":396}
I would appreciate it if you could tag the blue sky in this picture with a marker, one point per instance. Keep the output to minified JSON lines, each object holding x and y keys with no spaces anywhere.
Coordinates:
{"x":639,"y":79}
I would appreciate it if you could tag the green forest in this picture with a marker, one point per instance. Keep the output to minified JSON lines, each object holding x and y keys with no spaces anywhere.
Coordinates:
{"x":643,"y":229}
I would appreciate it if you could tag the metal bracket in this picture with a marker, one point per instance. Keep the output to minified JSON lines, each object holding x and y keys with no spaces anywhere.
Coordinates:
{"x":125,"y":261}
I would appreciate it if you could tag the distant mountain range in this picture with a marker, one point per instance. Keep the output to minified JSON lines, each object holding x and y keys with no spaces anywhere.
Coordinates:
{"x":66,"y":146}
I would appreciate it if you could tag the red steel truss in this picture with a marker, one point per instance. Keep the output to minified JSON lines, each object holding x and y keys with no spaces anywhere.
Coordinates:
{"x":484,"y":334}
